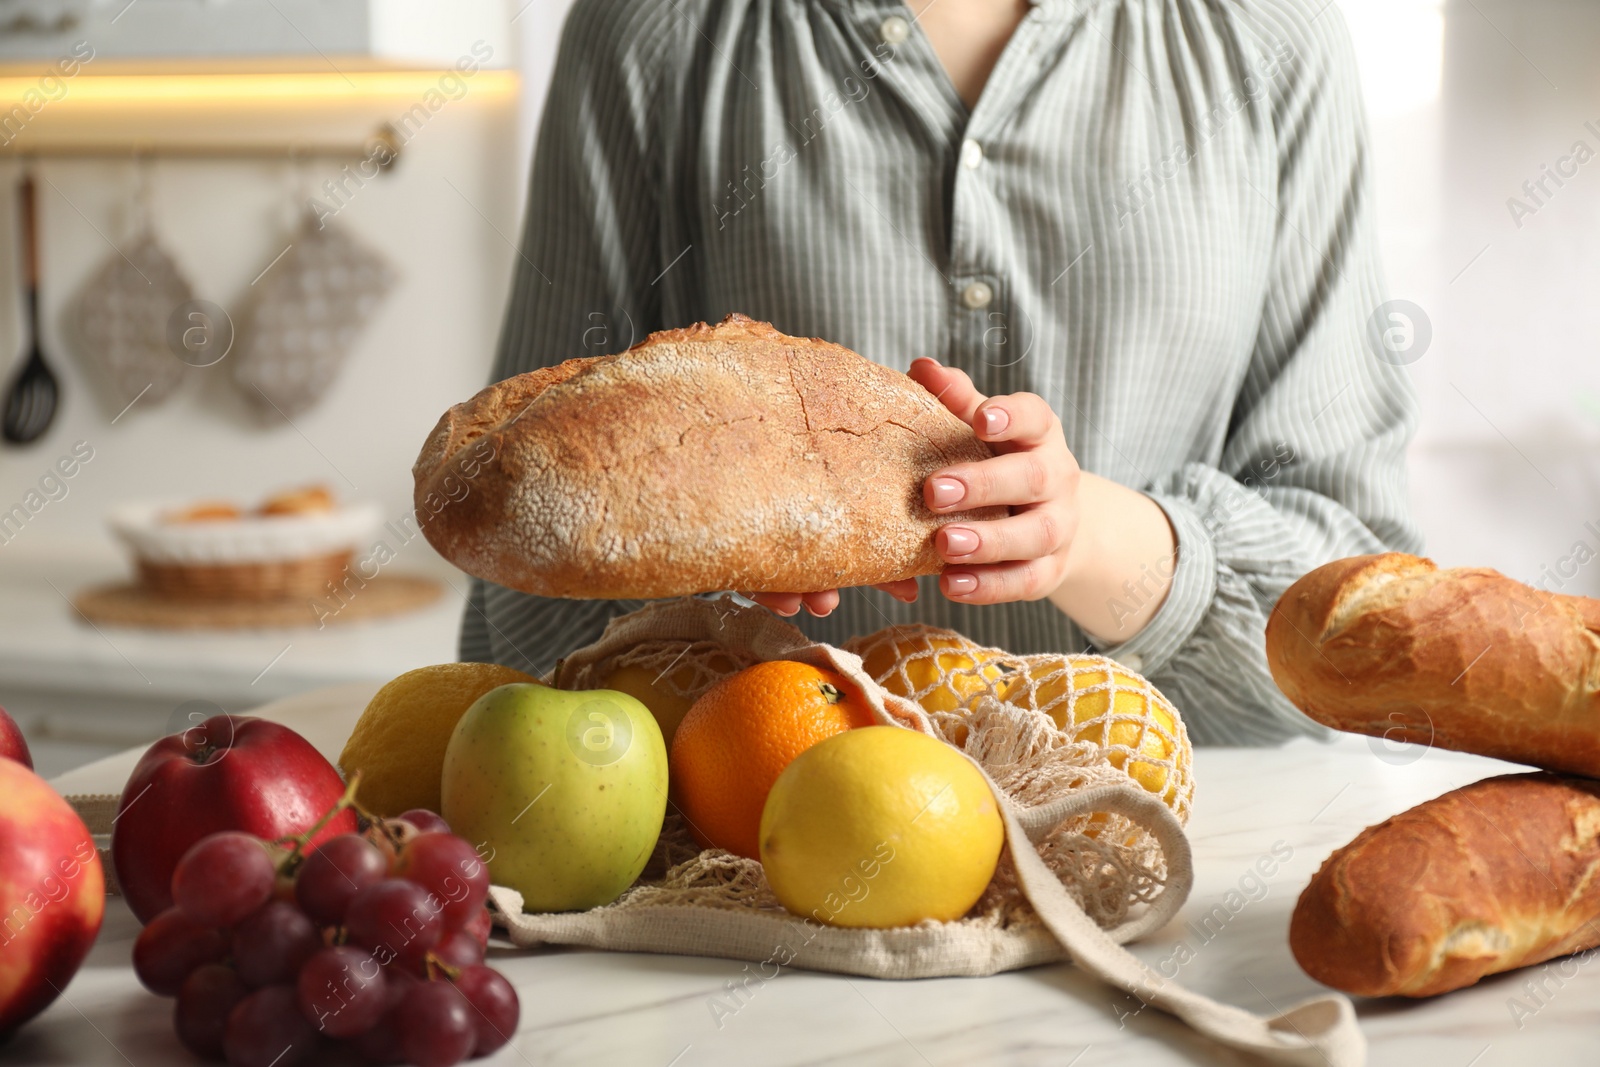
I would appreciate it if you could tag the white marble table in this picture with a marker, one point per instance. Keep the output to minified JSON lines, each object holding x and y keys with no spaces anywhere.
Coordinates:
{"x":584,"y":1007}
{"x":81,"y":691}
{"x":44,"y":642}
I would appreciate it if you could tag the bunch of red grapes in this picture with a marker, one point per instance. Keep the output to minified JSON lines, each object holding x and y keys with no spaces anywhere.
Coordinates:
{"x":374,"y":943}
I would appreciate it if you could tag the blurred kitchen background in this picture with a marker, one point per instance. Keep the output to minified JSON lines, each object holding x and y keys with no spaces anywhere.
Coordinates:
{"x":299,"y":99}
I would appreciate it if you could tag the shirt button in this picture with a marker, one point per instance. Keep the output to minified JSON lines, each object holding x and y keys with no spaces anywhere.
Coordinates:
{"x":895,"y":29}
{"x":971,"y":154}
{"x":977,"y":295}
{"x":1133,"y":661}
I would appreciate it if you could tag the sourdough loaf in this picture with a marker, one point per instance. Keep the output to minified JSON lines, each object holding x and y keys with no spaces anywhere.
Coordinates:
{"x":1466,"y":659}
{"x":1496,"y":875}
{"x":713,"y":457}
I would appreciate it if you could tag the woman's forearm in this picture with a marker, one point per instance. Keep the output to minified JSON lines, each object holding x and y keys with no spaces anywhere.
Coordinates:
{"x":1120,"y":563}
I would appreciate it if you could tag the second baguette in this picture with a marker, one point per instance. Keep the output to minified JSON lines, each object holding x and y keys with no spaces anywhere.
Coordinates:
{"x":1495,"y":875}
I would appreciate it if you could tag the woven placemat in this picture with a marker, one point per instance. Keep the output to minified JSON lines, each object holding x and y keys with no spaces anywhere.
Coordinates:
{"x":98,"y":811}
{"x":126,"y":604}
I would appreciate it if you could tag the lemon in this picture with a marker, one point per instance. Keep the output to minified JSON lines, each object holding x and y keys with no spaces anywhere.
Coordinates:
{"x":956,"y":672}
{"x":879,"y":827}
{"x":649,"y":689}
{"x":1130,"y":731}
{"x":398,"y":743}
{"x":662,"y":693}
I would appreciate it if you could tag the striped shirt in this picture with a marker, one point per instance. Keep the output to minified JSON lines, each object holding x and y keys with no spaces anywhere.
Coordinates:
{"x":1157,"y":216}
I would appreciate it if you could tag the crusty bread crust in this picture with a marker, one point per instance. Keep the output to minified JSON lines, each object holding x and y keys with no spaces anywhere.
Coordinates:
{"x":712,"y":457}
{"x":1467,"y":659}
{"x":1496,"y":875}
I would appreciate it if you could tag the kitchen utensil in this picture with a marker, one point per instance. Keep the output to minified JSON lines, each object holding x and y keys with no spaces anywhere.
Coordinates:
{"x":31,"y":400}
{"x":122,"y":313}
{"x":307,"y":313}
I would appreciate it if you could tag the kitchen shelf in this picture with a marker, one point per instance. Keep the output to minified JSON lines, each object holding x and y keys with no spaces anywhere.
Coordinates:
{"x":355,"y":114}
{"x":382,"y":148}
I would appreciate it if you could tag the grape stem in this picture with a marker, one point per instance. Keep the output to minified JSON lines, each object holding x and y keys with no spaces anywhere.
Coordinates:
{"x":302,"y":841}
{"x":384,"y":827}
{"x":435,"y":966}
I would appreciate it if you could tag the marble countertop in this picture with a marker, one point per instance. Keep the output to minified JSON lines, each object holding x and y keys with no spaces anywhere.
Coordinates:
{"x":1294,"y":804}
{"x":44,"y":643}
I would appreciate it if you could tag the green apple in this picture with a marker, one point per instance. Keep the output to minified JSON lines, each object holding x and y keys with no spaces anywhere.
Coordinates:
{"x":562,"y":792}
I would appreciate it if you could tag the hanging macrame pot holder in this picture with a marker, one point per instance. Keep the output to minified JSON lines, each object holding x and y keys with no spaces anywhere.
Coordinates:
{"x":308,"y":310}
{"x":121,"y":321}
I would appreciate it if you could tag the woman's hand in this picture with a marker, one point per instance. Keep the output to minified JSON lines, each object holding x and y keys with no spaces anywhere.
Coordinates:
{"x":1022,"y":556}
{"x":1019,"y":557}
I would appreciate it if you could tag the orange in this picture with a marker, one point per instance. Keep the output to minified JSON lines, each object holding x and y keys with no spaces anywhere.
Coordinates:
{"x":742,"y":733}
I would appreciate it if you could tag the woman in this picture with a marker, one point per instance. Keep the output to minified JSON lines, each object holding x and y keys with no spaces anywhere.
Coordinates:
{"x":1136,"y":235}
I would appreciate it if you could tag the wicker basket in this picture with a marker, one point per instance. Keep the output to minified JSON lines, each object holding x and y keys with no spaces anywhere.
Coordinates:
{"x":251,"y":560}
{"x":279,"y":579}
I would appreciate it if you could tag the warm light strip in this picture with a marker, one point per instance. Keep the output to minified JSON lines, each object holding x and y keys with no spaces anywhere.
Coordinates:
{"x":240,"y":88}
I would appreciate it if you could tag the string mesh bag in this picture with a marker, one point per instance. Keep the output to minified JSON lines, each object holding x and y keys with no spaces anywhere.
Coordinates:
{"x":309,"y":309}
{"x":1042,"y":725}
{"x":1089,"y":764}
{"x":1114,"y":717}
{"x":683,"y":668}
{"x":120,"y":316}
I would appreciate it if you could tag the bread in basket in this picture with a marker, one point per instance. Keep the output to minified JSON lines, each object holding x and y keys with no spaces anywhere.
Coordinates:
{"x":293,"y":545}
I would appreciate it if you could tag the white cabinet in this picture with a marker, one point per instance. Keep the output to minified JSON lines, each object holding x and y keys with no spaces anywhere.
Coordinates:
{"x":291,"y":34}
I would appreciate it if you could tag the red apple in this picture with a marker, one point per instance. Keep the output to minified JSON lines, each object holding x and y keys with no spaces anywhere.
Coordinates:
{"x":12,"y":744}
{"x":52,"y":894}
{"x":228,"y":773}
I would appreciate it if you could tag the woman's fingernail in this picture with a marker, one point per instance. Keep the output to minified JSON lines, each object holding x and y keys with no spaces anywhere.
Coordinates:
{"x":995,"y":421}
{"x":960,"y":542}
{"x":960,"y":584}
{"x":947,"y":491}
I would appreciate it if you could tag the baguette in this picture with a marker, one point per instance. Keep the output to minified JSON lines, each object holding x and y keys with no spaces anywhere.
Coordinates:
{"x":713,"y":457}
{"x":1465,"y":659}
{"x":1495,"y":875}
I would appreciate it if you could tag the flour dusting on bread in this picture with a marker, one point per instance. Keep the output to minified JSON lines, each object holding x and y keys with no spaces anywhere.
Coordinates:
{"x":711,"y":457}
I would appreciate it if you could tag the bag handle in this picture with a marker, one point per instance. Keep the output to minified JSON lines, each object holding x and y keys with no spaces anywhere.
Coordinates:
{"x":1318,"y":1032}
{"x":1150,"y":814}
